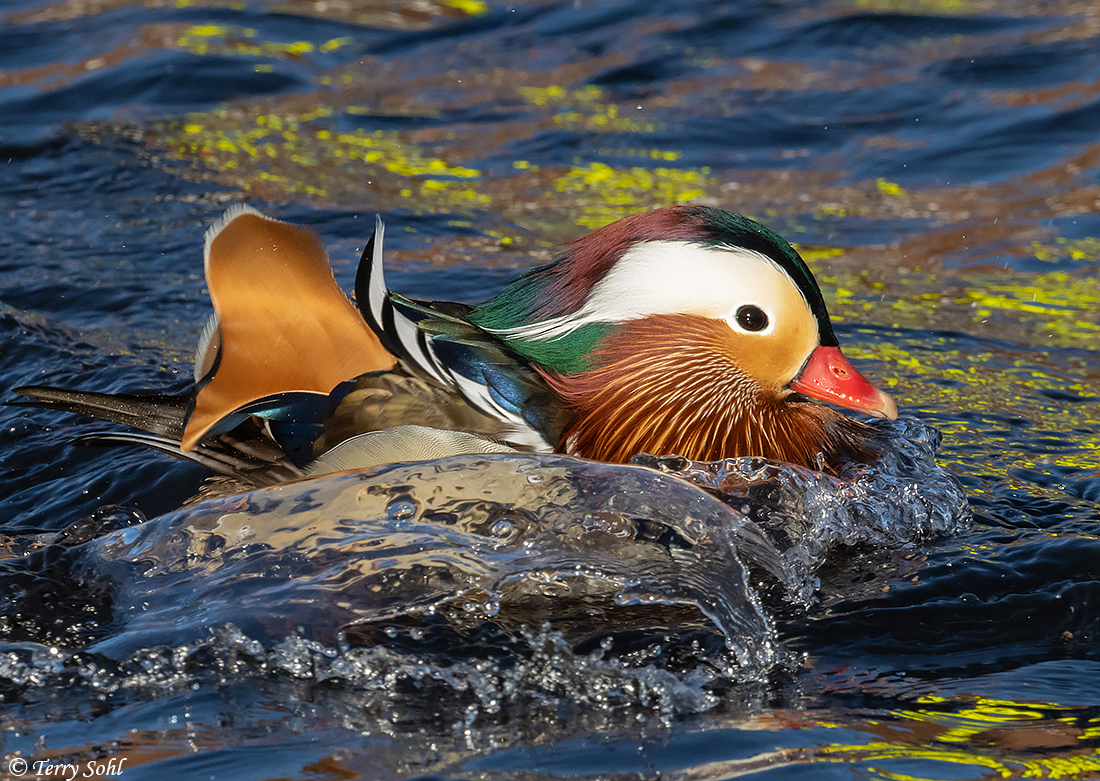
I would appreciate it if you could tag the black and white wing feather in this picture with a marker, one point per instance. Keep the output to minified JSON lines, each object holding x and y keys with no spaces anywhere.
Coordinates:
{"x":436,"y":340}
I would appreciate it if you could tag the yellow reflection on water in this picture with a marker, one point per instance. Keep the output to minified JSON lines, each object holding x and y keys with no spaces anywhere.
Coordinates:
{"x":987,"y":734}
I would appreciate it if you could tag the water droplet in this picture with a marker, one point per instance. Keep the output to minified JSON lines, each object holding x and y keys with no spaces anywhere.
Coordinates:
{"x":502,"y":528}
{"x":400,"y":510}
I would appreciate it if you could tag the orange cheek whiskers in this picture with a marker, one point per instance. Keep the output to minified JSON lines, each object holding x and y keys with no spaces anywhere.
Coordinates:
{"x":668,"y":386}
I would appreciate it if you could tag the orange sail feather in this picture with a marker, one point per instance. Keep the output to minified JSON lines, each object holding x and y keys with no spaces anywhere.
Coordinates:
{"x":284,"y":324}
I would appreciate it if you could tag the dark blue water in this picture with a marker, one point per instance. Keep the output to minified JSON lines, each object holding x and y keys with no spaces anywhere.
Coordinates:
{"x":938,"y":163}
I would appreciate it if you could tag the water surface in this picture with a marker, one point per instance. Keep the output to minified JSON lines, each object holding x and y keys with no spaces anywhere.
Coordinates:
{"x":937,"y":163}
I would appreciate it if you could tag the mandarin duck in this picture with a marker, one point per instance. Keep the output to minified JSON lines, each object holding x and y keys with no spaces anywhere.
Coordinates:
{"x":686,"y":330}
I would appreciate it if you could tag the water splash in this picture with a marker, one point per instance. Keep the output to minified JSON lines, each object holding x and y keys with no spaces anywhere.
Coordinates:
{"x":903,"y":499}
{"x":469,"y":551}
{"x":510,"y":538}
{"x":537,"y":683}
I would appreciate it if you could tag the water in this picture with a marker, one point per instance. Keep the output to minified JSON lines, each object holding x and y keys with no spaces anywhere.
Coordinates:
{"x":937,"y":164}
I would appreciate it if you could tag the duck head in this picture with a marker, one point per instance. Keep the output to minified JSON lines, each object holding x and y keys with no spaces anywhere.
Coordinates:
{"x":693,"y":331}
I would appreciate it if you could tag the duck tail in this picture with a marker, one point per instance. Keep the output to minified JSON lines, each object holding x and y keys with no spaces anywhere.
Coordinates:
{"x":244,"y":462}
{"x":246,"y":466}
{"x":159,"y":414}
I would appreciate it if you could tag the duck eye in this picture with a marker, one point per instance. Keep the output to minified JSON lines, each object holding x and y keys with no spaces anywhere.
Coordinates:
{"x":752,"y":318}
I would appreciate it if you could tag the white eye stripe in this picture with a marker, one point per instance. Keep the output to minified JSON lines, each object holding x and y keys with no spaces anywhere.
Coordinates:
{"x":677,"y":277}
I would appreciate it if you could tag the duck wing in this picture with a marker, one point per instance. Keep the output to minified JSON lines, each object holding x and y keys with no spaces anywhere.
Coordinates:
{"x":278,"y":351}
{"x":281,"y":326}
{"x":436,"y":340}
